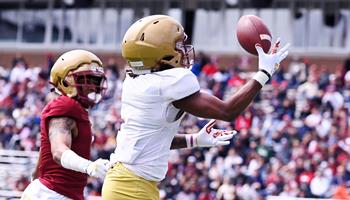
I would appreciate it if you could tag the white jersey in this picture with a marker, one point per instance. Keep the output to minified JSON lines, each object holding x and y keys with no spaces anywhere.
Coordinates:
{"x":150,"y":120}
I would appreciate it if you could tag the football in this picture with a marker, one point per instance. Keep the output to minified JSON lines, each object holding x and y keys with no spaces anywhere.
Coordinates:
{"x":252,"y":30}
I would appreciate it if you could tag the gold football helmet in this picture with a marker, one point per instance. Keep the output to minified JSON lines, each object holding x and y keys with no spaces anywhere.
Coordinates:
{"x":156,"y":40}
{"x":79,"y":74}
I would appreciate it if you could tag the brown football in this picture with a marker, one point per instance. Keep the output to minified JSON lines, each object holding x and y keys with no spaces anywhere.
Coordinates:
{"x":252,"y":30}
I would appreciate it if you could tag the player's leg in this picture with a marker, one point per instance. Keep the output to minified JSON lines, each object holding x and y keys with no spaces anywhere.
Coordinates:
{"x":121,"y":183}
{"x":36,"y":190}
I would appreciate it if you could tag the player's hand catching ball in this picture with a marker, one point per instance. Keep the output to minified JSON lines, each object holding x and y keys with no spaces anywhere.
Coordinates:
{"x":208,"y":136}
{"x":98,"y":168}
{"x":269,"y":63}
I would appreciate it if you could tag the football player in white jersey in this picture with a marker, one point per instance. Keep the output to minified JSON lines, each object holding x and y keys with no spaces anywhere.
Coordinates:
{"x":157,"y":91}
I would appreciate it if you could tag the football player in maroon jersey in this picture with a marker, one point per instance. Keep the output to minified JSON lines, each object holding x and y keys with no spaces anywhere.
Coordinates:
{"x":64,"y":160}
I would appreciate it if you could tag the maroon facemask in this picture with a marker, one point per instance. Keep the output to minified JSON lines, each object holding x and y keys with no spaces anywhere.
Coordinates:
{"x":90,"y":82}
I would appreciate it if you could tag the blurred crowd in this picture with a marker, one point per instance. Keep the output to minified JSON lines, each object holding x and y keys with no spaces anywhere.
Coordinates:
{"x":294,"y":139}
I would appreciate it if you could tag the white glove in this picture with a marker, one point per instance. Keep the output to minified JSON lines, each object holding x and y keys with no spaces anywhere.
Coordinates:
{"x":269,"y":63}
{"x":98,"y":168}
{"x":208,"y":136}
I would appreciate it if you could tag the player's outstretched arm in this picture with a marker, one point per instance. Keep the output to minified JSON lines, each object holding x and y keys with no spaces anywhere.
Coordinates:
{"x":206,"y":137}
{"x":61,"y":132}
{"x":205,"y":105}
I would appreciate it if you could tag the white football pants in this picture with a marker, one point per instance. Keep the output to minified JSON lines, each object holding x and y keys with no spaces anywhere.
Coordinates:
{"x":36,"y":190}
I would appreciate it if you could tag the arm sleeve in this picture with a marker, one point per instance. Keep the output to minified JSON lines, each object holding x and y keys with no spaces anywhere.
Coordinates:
{"x":179,"y":84}
{"x":71,"y":160}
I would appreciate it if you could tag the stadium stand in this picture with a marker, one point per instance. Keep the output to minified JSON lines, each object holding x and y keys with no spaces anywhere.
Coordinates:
{"x":16,"y":166}
{"x":293,"y":142}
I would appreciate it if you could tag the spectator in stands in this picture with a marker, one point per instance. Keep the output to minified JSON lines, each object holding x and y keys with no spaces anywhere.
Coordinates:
{"x":18,"y":72}
{"x":227,"y":190}
{"x":201,"y":61}
{"x":321,"y":182}
{"x":22,"y":183}
{"x":341,"y":192}
{"x":211,"y":67}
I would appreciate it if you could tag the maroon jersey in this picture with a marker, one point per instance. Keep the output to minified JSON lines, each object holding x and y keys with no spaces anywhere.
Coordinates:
{"x":64,"y":181}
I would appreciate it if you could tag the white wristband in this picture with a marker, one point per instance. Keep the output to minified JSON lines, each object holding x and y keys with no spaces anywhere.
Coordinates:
{"x":190,"y":141}
{"x":261,"y":77}
{"x":71,"y":160}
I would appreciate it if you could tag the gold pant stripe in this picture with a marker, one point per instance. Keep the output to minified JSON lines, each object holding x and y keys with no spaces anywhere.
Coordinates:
{"x":122,"y":184}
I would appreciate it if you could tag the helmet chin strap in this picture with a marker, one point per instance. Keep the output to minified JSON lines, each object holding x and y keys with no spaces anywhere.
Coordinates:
{"x":57,"y":91}
{"x":140,"y":72}
{"x":95,"y":97}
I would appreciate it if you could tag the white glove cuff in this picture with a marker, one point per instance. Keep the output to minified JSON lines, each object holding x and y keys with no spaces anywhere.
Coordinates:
{"x":71,"y":160}
{"x":190,"y":140}
{"x":261,"y":77}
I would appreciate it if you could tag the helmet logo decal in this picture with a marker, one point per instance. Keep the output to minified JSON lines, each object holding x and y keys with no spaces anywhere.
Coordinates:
{"x":142,"y":37}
